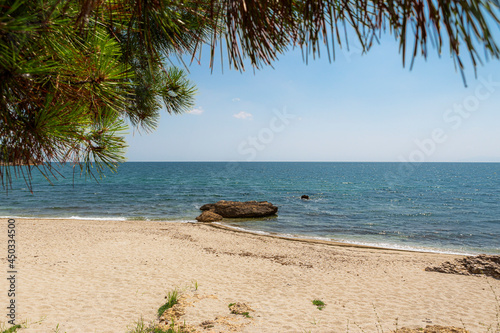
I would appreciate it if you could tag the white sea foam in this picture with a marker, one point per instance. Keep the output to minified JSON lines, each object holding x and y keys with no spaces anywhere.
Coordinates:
{"x":67,"y":218}
{"x":96,"y":218}
{"x":178,"y":221}
{"x":402,"y":247}
{"x":92,"y":218}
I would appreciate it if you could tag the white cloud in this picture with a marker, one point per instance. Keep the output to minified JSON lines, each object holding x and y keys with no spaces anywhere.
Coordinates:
{"x":236,"y":99}
{"x":196,"y":111}
{"x":243,"y":115}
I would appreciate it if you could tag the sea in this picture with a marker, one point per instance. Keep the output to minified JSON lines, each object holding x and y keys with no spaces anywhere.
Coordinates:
{"x":435,"y":207}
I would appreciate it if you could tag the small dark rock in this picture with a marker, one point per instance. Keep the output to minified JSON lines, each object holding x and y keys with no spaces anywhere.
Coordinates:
{"x":209,"y":216}
{"x":305,"y":197}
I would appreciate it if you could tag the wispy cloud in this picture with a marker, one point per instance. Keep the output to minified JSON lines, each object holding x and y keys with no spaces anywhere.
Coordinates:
{"x":196,"y":111}
{"x":236,"y":99}
{"x":243,"y":115}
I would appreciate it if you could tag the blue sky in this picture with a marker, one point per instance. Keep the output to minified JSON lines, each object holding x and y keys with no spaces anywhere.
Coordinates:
{"x":357,"y":108}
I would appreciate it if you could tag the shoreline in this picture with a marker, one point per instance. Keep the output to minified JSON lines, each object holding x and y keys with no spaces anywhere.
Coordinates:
{"x":303,"y":238}
{"x":102,"y":276}
{"x":331,"y":242}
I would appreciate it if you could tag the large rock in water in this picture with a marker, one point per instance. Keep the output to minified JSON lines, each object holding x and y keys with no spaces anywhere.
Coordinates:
{"x":241,"y":209}
{"x":481,"y":264}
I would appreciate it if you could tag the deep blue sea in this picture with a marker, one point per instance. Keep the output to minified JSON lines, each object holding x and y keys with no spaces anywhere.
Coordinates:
{"x":444,"y":207}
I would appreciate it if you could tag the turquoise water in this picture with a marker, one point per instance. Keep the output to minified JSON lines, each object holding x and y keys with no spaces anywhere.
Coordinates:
{"x":445,"y":207}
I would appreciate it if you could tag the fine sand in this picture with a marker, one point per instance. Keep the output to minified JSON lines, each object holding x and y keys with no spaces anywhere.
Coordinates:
{"x":103,"y":276}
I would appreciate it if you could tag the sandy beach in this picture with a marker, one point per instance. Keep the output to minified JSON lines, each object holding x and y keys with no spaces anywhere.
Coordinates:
{"x":103,"y":276}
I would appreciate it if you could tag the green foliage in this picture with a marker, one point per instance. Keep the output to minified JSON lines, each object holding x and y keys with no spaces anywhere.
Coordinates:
{"x":172,"y":299}
{"x":12,"y":329}
{"x":319,"y":303}
{"x":70,"y":81}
